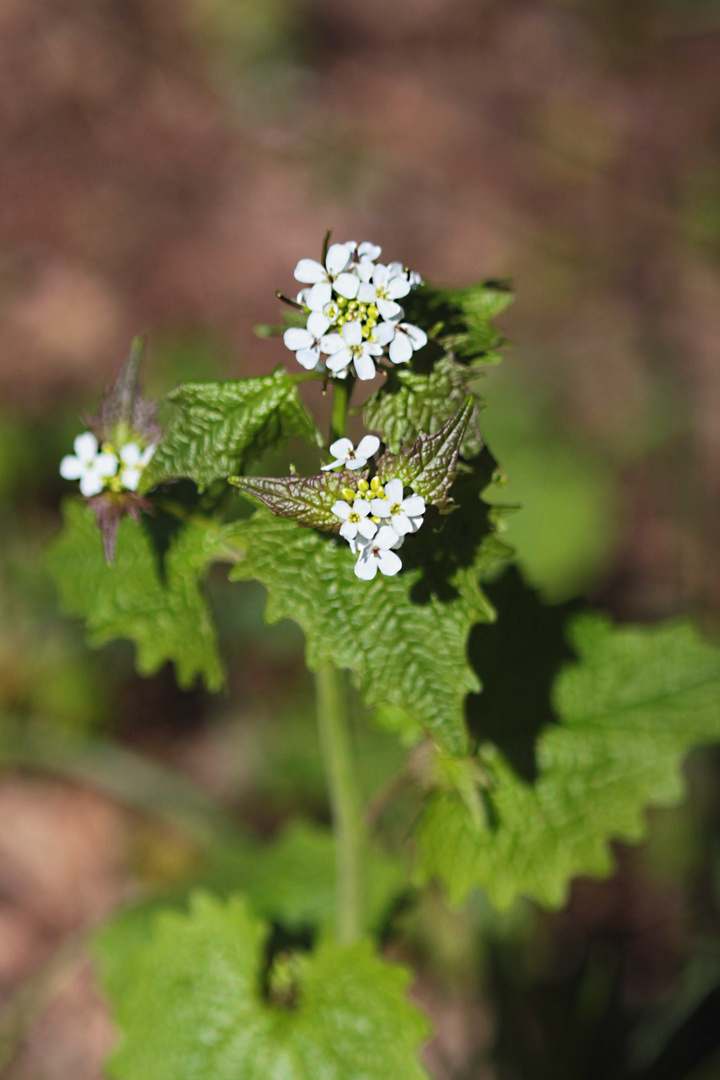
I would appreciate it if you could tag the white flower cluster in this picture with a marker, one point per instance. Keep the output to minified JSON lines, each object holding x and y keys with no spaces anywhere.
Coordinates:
{"x":376,"y":518}
{"x":98,"y":467}
{"x":353,"y":312}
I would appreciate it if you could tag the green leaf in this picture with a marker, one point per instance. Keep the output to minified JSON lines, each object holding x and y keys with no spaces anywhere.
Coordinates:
{"x":466,"y":315}
{"x":156,"y":602}
{"x":190,"y":1005}
{"x":404,"y":637}
{"x":409,"y":403}
{"x":292,"y":878}
{"x":307,"y":500}
{"x":429,"y":467}
{"x":215,"y":429}
{"x":635,"y":702}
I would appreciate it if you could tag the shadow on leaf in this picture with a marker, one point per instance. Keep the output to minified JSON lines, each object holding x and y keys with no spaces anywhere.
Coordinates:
{"x":517,"y":659}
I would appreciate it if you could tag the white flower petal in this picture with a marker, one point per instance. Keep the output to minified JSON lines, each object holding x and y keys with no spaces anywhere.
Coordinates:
{"x":346,"y":285}
{"x":380,"y":508}
{"x":366,"y":293}
{"x":398,"y":287}
{"x":130,"y":478}
{"x":91,"y":484}
{"x":364,"y":366}
{"x":86,"y":446}
{"x":339,"y":360}
{"x":395,"y":268}
{"x":368,"y":445}
{"x":341,"y":448}
{"x":308,"y":357}
{"x":71,"y":468}
{"x":380,"y":275}
{"x":310,"y":271}
{"x":131,"y":454}
{"x":401,"y":524}
{"x":318,"y":324}
{"x":366,"y":567}
{"x":386,"y":537}
{"x":320,"y":295}
{"x":331,"y":343}
{"x":388,"y":308}
{"x":338,"y":257}
{"x":384,"y":333}
{"x":105,"y":465}
{"x":148,"y":454}
{"x":365,"y":270}
{"x":296,"y":337}
{"x":367,"y":528}
{"x":394,"y":491}
{"x":417,"y":336}
{"x":414,"y":505}
{"x":352,"y":333}
{"x":341,"y":509}
{"x":389,"y":563}
{"x":356,"y":463}
{"x":349,"y":530}
{"x":369,"y":251}
{"x":400,"y":348}
{"x":361,"y":507}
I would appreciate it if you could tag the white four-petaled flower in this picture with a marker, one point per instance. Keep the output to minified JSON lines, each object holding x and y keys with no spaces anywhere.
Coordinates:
{"x":403,"y":515}
{"x":347,"y":456}
{"x":88,"y":465}
{"x":334,"y":272}
{"x":349,"y":347}
{"x":384,"y":289}
{"x":305,"y":343}
{"x":377,"y":554}
{"x":357,"y":524}
{"x":133,"y":460}
{"x":404,"y":339}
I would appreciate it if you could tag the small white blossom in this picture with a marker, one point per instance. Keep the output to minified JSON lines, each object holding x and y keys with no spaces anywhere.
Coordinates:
{"x":305,"y":342}
{"x":346,"y":456}
{"x":334,"y":272}
{"x":404,"y":339}
{"x":377,"y":554}
{"x":404,"y":515}
{"x":88,"y":465}
{"x":349,"y":347}
{"x":133,"y":460}
{"x":386,"y":287}
{"x":357,"y":524}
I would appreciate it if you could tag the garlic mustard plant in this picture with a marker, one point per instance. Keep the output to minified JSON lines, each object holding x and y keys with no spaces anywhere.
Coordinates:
{"x":382,"y":553}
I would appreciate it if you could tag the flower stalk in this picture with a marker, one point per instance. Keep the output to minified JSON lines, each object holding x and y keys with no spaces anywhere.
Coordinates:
{"x":335,"y":741}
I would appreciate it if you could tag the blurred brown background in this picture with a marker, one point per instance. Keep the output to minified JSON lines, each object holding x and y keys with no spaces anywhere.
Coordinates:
{"x":163,"y":165}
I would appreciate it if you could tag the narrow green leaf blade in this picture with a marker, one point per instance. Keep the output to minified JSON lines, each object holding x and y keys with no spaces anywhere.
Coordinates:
{"x":637,"y":700}
{"x":306,"y":499}
{"x":215,"y":429}
{"x":189,"y":1005}
{"x":429,"y":467}
{"x":157,"y":603}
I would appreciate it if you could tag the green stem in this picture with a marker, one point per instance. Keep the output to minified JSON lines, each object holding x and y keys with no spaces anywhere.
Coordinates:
{"x":342,"y":389}
{"x":344,"y":799}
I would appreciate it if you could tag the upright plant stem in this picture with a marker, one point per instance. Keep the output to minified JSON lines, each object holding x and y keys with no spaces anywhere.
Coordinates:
{"x":344,"y":800}
{"x":342,"y":389}
{"x":337,"y":752}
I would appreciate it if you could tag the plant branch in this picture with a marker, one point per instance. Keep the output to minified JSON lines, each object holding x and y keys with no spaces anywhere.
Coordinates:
{"x":344,"y":799}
